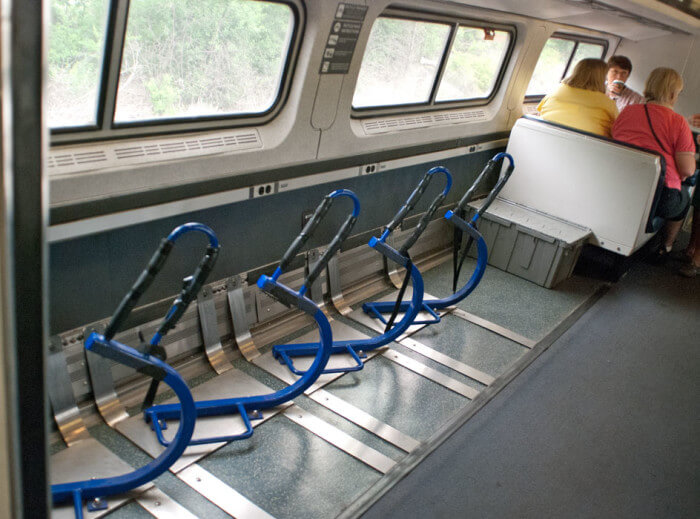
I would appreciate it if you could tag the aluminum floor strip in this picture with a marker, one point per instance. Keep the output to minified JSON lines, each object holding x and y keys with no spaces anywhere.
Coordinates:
{"x":340,"y":439}
{"x":445,"y":360}
{"x":407,"y":464}
{"x":84,"y":460}
{"x":500,"y":330}
{"x":222,"y":495}
{"x":161,"y":506}
{"x":431,"y":374}
{"x":339,"y":406}
{"x":364,"y":420}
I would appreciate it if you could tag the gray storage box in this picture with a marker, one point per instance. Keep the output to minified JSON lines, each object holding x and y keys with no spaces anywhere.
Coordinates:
{"x":530,"y":244}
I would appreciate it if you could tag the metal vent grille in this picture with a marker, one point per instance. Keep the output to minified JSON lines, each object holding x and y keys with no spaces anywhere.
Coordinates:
{"x":72,"y":159}
{"x":387,"y":125}
{"x":118,"y":154}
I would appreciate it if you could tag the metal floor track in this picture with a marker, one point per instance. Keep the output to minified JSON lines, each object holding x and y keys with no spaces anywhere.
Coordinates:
{"x":350,"y":438}
{"x":602,"y":424}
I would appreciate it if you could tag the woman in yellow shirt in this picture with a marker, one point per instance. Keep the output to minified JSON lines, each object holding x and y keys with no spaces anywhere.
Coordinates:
{"x":580,"y":100}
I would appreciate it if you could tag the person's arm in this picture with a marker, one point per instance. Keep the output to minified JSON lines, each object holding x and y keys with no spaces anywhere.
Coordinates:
{"x":685,"y":163}
{"x":684,"y":149}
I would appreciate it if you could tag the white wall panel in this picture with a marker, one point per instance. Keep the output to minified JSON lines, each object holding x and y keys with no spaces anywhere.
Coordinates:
{"x":584,"y":180}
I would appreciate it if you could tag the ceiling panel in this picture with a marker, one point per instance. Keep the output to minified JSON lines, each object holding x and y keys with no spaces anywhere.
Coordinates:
{"x":544,"y":9}
{"x":624,"y":18}
{"x":613,"y":23}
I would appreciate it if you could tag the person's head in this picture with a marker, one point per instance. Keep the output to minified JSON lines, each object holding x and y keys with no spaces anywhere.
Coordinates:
{"x":663,"y":86}
{"x":619,"y":69}
{"x":588,"y":74}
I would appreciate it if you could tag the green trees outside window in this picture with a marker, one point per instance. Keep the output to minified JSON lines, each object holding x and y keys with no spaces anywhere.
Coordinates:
{"x":403,"y":59}
{"x":180,"y":59}
{"x":76,"y":50}
{"x":210,"y":57}
{"x":552,"y":66}
{"x":400,"y":62}
{"x":473,"y":64}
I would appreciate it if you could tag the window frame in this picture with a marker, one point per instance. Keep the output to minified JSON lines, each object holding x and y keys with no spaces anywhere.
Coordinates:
{"x":107,"y":129}
{"x":576,"y":38}
{"x":432,"y":104}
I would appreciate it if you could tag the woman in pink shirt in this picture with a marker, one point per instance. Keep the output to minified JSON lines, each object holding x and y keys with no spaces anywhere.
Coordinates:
{"x":656,"y":126}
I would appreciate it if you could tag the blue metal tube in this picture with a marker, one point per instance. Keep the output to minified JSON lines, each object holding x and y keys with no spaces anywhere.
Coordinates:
{"x":104,"y":487}
{"x":285,"y":352}
{"x":411,"y":309}
{"x":259,"y":402}
{"x":470,"y":229}
{"x":469,"y":286}
{"x":150,"y":365}
{"x":194,"y":226}
{"x":159,"y":414}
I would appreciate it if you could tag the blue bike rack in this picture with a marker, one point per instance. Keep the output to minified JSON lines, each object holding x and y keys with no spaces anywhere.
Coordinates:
{"x":158,"y":415}
{"x":148,"y":364}
{"x":456,"y":217}
{"x":356,"y":348}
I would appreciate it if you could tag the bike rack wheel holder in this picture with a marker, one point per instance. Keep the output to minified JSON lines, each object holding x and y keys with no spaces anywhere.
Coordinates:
{"x":457,"y":218}
{"x":151,"y":363}
{"x":250,"y":407}
{"x":356,"y":348}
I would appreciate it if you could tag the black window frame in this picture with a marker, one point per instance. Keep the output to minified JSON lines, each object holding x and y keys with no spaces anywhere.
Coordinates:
{"x":576,"y":38}
{"x":107,"y":129}
{"x":432,"y":104}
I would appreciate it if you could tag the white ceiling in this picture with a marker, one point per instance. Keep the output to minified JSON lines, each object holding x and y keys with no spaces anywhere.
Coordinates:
{"x":632,"y":19}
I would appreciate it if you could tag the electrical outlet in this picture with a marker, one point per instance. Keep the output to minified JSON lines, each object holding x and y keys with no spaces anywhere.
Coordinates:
{"x":368,"y":169}
{"x":262,"y":190}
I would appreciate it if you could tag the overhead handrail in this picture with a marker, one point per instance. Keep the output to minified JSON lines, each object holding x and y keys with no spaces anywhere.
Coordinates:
{"x":356,"y":348}
{"x":149,"y":364}
{"x":249,"y":407}
{"x":456,"y":217}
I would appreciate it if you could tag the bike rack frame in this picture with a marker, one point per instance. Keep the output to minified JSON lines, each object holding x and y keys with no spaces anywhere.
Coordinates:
{"x":249,"y":407}
{"x":456,"y":217}
{"x":148,"y":364}
{"x":356,"y":348}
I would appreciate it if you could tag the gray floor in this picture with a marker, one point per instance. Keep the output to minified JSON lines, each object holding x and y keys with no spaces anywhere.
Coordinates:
{"x":289,"y":472}
{"x":603,"y":424}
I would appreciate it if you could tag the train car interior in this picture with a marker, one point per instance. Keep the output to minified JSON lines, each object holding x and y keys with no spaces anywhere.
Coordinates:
{"x":320,"y":258}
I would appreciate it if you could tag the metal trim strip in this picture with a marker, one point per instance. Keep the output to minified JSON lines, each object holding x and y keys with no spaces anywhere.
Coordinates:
{"x":493,"y":327}
{"x":102,"y":382}
{"x":235,"y":295}
{"x":89,"y":458}
{"x":335,"y":286}
{"x":365,"y":420}
{"x":340,"y":439}
{"x":206,"y":308}
{"x":161,"y":506}
{"x":448,"y":361}
{"x":222,"y":495}
{"x":408,"y":463}
{"x":431,"y":374}
{"x":65,"y":410}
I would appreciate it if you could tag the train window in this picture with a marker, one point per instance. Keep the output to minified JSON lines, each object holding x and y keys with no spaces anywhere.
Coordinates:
{"x":400,"y":63}
{"x":76,"y":53}
{"x":417,"y":62}
{"x":559,"y":55}
{"x":586,"y":50}
{"x":473,"y":65}
{"x":199,"y":59}
{"x":146,"y":67}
